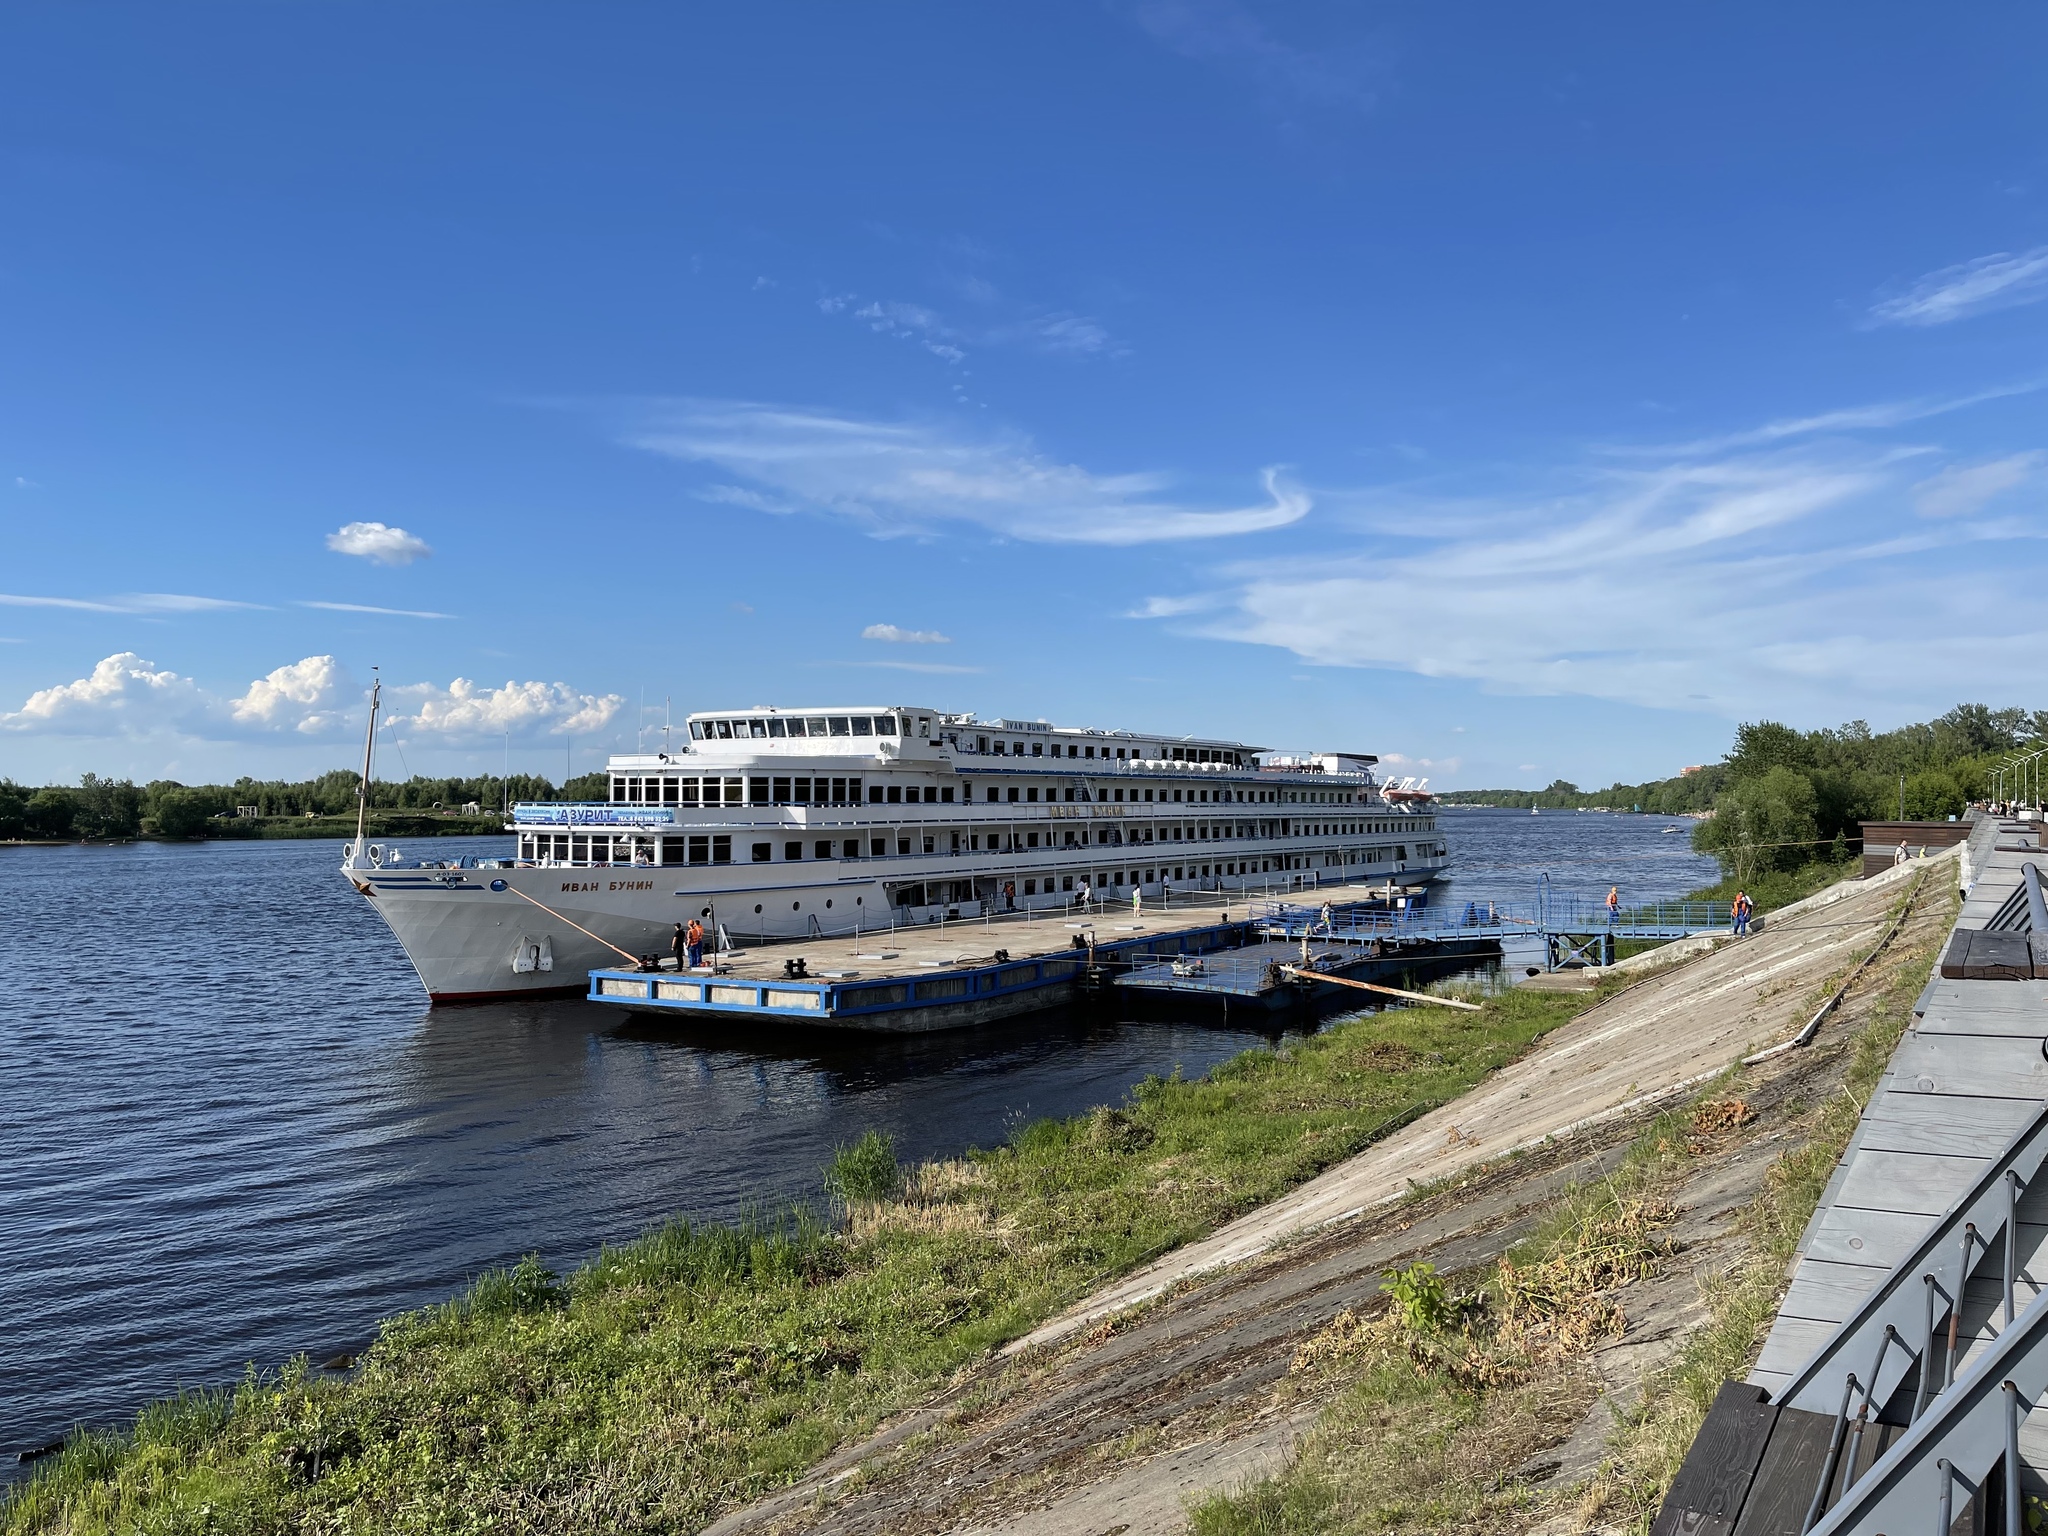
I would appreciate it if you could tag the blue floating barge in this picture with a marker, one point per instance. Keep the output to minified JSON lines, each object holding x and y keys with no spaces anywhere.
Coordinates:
{"x":904,"y":994}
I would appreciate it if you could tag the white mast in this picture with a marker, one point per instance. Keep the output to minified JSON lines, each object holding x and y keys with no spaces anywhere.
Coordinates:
{"x":369,"y":747}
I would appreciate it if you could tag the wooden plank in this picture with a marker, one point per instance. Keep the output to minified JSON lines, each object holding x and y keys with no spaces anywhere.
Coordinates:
{"x":1783,"y":1486}
{"x":1707,"y":1495}
{"x":1945,"y":994}
{"x":1997,"y":957}
{"x":1877,"y":1238}
{"x":1793,"y":1341}
{"x":1986,"y":1066}
{"x":1921,"y":1122}
{"x":1823,"y":1291}
{"x":1955,"y":959}
{"x":1916,"y":1183}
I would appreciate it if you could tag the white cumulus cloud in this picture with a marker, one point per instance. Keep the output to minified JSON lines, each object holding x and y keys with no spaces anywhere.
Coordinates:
{"x":308,"y":696}
{"x":1998,"y":281}
{"x":466,"y":709}
{"x":898,"y":636}
{"x":379,"y":542}
{"x":908,"y":477}
{"x":122,"y":696}
{"x":127,"y":696}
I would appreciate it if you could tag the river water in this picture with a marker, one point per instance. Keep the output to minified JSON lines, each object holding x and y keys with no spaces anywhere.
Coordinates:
{"x":236,"y":1132}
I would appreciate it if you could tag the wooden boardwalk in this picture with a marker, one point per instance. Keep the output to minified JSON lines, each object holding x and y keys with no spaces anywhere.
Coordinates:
{"x":1966,"y":1077}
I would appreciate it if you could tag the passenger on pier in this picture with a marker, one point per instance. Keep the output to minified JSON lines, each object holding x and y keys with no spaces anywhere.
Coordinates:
{"x":679,"y":945}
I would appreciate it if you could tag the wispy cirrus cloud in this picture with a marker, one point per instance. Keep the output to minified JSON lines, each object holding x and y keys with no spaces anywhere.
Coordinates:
{"x":1962,"y":489}
{"x":126,"y":696}
{"x":905,"y":477}
{"x":896,"y":636}
{"x":395,"y":613}
{"x":133,"y":602}
{"x":1346,"y":78}
{"x":1050,"y":332}
{"x":1874,"y":416}
{"x":1794,"y":579}
{"x":1998,"y":281}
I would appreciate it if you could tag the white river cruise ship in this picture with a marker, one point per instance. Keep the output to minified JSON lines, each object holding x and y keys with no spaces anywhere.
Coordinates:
{"x":784,"y":823}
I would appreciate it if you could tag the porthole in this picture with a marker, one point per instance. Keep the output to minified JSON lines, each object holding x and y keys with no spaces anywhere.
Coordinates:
{"x":796,"y":906}
{"x":859,"y":900}
{"x":828,"y":901}
{"x":757,"y":908}
{"x":705,"y":913}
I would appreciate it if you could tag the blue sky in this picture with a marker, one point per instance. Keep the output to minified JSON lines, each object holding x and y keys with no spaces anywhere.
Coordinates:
{"x":1517,"y":393}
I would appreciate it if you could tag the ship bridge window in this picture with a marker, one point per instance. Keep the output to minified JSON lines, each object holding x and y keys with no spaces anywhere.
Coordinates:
{"x":776,"y":726}
{"x":618,"y":791}
{"x":696,"y":730}
{"x":863,"y":725}
{"x":815,"y":725}
{"x":758,"y":727}
{"x":795,"y":724}
{"x":724,"y":729}
{"x":841,"y":725}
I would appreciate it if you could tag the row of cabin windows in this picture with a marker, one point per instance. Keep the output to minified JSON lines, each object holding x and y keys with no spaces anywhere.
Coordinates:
{"x":1028,"y":794}
{"x":634,"y":790}
{"x":997,"y":747}
{"x":804,"y":727}
{"x":717,"y":848}
{"x":627,"y":790}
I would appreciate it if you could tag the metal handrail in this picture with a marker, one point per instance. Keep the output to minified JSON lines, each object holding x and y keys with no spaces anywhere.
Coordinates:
{"x":1981,"y":1215}
{"x":1964,"y":1433}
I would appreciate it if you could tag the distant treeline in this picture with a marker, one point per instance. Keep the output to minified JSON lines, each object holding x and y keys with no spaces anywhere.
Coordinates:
{"x":1782,"y":798}
{"x":116,"y":808}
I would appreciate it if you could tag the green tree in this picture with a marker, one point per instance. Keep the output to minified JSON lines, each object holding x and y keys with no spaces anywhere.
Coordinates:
{"x":182,"y":812}
{"x":1933,"y":796}
{"x":1766,"y":822}
{"x":13,"y":810}
{"x":107,"y":807}
{"x":1765,"y":745}
{"x":50,"y":813}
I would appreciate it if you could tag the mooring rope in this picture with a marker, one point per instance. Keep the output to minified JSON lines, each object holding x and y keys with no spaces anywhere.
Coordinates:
{"x":551,"y":912}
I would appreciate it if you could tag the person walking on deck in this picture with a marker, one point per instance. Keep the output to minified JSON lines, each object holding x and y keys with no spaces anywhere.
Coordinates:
{"x":1137,"y":901}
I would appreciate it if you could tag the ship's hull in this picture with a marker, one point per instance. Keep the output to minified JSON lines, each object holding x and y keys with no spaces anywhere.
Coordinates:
{"x":492,"y":933}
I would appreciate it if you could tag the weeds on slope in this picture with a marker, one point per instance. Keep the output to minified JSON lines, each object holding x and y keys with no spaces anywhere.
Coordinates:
{"x":676,"y":1376}
{"x":1443,"y":1395}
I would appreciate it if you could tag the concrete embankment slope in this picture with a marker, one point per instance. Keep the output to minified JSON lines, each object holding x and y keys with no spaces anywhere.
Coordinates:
{"x":1676,"y":1028}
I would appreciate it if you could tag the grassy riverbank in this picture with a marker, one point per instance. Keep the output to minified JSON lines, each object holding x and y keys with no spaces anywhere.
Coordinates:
{"x":1434,"y":1405}
{"x":676,"y":1376}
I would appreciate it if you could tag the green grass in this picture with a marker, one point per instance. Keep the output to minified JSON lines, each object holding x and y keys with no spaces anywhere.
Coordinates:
{"x":674,"y":1377}
{"x":1774,"y":888}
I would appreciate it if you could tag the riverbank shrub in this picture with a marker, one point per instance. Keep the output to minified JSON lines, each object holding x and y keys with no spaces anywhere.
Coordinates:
{"x":677,"y":1376}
